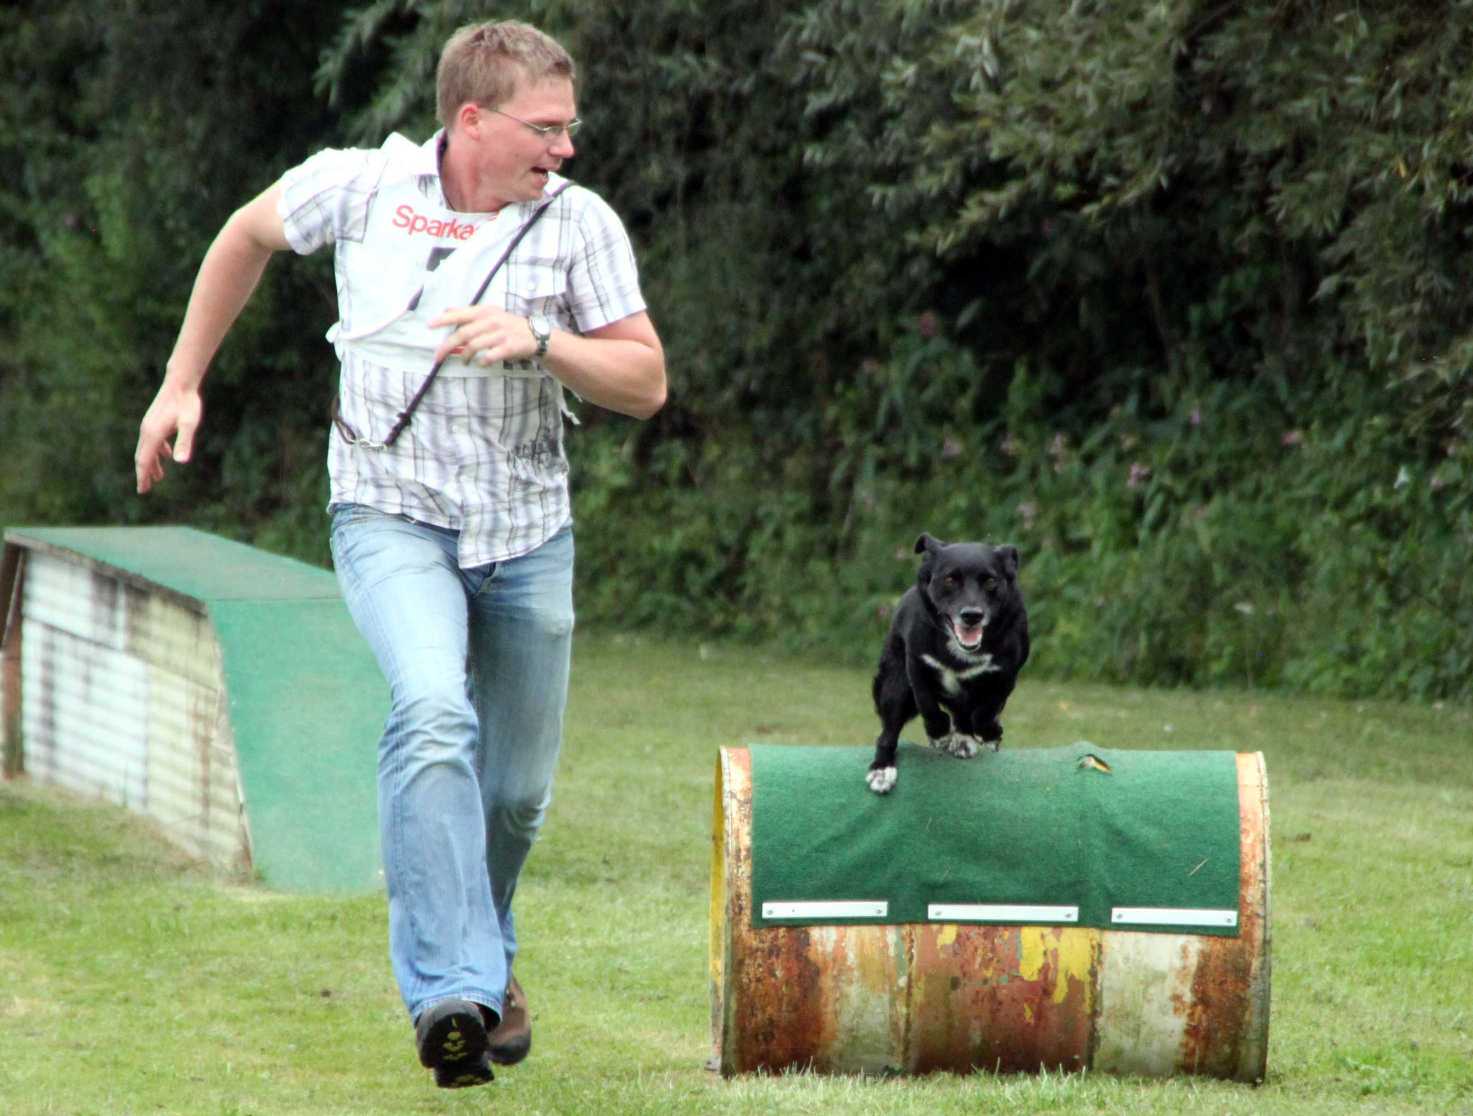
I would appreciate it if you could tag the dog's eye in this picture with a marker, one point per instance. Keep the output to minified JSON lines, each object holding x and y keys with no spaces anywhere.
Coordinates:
{"x":951,"y":581}
{"x":990,"y":584}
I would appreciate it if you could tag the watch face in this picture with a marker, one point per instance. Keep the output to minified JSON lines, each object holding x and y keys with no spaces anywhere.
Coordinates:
{"x":542,"y":331}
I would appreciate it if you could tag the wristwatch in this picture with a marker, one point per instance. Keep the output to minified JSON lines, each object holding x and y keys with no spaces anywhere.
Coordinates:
{"x":542,"y":330}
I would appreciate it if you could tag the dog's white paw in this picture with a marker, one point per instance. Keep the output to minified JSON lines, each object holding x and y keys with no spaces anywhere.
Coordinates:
{"x":962,"y":746}
{"x":882,"y":780}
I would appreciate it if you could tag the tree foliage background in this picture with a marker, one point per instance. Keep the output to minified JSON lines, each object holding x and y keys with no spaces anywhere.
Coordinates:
{"x":1172,"y":295}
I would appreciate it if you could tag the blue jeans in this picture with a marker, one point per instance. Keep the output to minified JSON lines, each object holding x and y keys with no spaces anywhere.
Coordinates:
{"x":477,"y":665}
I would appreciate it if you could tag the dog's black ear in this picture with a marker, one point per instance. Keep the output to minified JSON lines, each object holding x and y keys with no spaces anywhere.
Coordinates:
{"x":1009,"y":557}
{"x":927,"y":543}
{"x":928,"y":548}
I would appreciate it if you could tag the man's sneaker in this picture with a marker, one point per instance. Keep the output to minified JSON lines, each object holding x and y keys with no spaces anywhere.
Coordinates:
{"x":511,"y":1039}
{"x":452,"y":1041}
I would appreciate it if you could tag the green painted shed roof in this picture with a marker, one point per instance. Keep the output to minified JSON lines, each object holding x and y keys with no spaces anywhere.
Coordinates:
{"x":307,"y":701}
{"x":193,"y":563}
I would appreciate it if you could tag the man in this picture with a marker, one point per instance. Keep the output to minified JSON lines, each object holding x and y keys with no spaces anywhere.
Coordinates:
{"x":452,"y":534}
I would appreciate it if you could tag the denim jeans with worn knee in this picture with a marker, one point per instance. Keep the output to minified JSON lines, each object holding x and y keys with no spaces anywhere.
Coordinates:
{"x":477,"y":665}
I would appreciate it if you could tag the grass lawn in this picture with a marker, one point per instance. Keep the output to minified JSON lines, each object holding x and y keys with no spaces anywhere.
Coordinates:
{"x":132,"y":982}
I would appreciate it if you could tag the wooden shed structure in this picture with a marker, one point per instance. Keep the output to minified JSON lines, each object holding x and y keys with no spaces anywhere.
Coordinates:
{"x":219,"y":690}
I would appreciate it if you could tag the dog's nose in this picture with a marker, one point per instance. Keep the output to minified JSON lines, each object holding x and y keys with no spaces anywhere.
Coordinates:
{"x":972,"y":616}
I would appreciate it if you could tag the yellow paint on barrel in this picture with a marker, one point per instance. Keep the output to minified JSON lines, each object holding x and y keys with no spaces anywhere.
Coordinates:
{"x":1030,"y":953}
{"x":1070,"y":953}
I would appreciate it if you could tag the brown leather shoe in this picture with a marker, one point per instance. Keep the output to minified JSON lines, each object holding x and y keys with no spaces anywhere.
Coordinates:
{"x":509,"y":1043}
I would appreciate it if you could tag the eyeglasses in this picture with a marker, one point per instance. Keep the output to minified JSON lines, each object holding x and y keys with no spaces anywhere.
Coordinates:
{"x":545,"y":132}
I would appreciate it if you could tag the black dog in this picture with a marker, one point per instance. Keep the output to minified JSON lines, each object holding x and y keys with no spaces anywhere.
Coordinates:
{"x":956,"y":644}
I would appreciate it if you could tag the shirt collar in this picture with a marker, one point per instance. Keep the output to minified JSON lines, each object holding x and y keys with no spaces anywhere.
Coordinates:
{"x":426,"y":159}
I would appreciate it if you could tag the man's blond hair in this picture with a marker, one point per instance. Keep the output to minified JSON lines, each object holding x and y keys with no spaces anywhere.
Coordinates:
{"x":485,"y":63}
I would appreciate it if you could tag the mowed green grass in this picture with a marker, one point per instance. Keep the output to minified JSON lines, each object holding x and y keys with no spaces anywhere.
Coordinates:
{"x":133,"y":982}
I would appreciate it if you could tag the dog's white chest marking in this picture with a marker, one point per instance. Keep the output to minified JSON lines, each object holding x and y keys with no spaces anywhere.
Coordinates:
{"x":951,"y":680}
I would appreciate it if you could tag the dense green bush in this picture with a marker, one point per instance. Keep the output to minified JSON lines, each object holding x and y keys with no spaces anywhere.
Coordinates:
{"x":1238,"y":543}
{"x":1172,"y":295}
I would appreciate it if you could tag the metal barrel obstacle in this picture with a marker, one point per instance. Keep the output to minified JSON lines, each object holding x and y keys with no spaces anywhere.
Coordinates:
{"x":1009,"y":987}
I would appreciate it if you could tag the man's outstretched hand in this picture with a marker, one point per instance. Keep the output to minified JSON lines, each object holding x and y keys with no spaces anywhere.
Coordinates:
{"x":172,"y":414}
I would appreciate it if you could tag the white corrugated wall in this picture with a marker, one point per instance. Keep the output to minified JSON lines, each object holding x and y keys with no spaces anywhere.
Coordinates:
{"x":122,"y":697}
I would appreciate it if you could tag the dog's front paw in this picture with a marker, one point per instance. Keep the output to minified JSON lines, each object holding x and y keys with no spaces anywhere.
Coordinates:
{"x":882,"y":780}
{"x":958,"y":744}
{"x":964,"y":746}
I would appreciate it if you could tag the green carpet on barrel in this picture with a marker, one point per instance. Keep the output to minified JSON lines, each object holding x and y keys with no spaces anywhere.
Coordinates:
{"x":1035,"y":826}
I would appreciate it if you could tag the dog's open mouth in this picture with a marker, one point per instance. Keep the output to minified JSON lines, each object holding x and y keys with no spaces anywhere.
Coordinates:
{"x":968,"y":635}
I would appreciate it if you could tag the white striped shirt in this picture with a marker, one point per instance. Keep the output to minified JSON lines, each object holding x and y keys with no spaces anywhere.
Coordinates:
{"x":483,"y":454}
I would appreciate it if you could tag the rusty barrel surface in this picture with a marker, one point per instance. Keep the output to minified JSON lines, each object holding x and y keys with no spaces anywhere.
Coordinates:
{"x":916,"y":998}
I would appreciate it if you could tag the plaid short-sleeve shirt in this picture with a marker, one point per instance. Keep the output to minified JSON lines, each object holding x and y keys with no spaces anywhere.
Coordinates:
{"x":484,"y":453}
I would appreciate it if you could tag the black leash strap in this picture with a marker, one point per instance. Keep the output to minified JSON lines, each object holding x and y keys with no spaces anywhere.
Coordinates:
{"x":349,"y":434}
